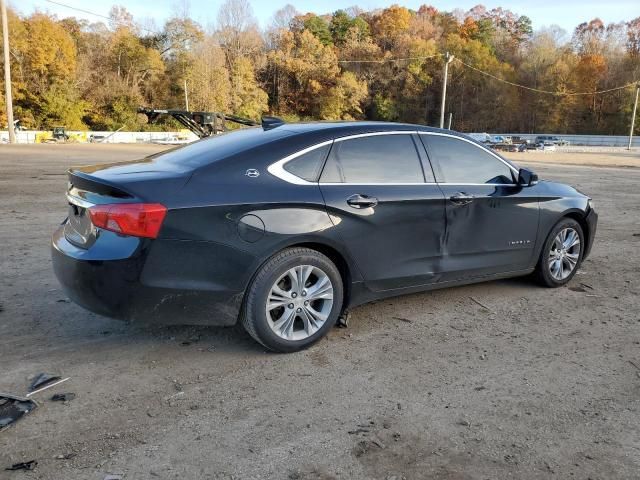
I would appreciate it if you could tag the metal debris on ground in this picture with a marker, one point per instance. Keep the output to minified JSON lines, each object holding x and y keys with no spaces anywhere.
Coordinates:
{"x":41,"y":380}
{"x":481,"y":304}
{"x":636,"y":366}
{"x":47,"y":384}
{"x":402,"y":319}
{"x":65,"y":456}
{"x":343,"y":320}
{"x":13,"y":408}
{"x":30,"y":465}
{"x":578,"y":289}
{"x":63,"y":397}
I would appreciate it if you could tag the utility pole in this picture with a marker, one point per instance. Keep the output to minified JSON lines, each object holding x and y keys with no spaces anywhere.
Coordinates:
{"x":186,"y":95}
{"x":448,"y":59}
{"x":7,"y":73}
{"x":633,"y":116}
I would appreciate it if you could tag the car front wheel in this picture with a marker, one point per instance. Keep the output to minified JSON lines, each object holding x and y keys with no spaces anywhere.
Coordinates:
{"x":293,"y":301}
{"x":561,"y":254}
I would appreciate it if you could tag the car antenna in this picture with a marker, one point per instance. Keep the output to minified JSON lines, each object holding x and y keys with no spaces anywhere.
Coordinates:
{"x":271,"y":122}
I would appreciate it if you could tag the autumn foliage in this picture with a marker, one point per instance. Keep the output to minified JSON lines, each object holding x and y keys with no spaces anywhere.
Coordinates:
{"x":350,"y":64}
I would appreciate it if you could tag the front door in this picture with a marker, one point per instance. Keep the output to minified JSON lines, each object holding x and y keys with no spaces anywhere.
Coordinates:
{"x":492,"y":222}
{"x":389,"y":214}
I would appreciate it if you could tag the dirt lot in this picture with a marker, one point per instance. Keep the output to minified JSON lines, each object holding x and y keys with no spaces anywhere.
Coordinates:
{"x":591,"y":156}
{"x":540,"y":384}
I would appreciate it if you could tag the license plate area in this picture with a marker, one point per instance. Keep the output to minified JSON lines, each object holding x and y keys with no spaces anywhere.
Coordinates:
{"x":79,"y":230}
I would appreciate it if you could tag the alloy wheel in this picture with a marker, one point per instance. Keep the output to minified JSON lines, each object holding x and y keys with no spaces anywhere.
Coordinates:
{"x":299,"y":302}
{"x":564,"y":253}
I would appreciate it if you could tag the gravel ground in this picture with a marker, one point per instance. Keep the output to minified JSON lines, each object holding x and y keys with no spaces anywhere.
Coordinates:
{"x":539,"y":384}
{"x":591,"y":156}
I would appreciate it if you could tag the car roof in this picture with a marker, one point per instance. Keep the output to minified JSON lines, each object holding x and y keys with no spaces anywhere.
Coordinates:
{"x":279,"y":141}
{"x":354,"y":127}
{"x":347,"y":128}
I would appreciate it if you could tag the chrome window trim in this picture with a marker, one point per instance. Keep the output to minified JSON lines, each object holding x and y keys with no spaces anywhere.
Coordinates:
{"x":376,"y":134}
{"x":277,"y":169}
{"x":426,"y":183}
{"x":72,"y":199}
{"x":480,"y":184}
{"x":375,"y":183}
{"x":493,"y":154}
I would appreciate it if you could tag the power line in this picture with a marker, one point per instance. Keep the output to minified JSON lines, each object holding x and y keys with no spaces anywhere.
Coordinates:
{"x":490,"y":75}
{"x":88,"y":12}
{"x":391,"y":60}
{"x":548,"y":92}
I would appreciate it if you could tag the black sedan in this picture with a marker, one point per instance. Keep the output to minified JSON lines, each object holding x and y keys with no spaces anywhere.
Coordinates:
{"x":285,"y":227}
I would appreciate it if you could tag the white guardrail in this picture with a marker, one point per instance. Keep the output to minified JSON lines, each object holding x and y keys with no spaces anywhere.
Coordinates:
{"x":580,"y":140}
{"x":37,"y":136}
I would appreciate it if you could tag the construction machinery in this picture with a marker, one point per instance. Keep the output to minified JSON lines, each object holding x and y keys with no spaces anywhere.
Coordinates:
{"x":203,"y":124}
{"x":59,"y":134}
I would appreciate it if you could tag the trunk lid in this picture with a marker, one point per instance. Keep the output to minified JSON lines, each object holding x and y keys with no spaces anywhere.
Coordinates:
{"x":127,"y":182}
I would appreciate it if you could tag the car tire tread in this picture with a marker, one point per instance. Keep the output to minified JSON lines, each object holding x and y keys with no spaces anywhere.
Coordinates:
{"x":542,"y":273}
{"x":248,"y":315}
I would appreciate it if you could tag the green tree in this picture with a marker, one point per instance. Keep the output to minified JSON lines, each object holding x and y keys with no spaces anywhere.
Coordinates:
{"x":319,"y":28}
{"x":61,"y":105}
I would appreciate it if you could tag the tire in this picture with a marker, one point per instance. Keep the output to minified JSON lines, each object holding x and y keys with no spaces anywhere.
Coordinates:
{"x":277,"y":325}
{"x":556,"y":258}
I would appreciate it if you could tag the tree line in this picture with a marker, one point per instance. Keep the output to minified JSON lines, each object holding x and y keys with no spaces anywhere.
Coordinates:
{"x":384,"y":64}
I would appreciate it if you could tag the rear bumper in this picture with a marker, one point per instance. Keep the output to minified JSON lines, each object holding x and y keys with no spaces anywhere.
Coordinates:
{"x":592,"y":224}
{"x":144,"y":283}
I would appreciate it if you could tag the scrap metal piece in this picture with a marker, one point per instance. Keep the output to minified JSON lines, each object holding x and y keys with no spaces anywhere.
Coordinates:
{"x":343,"y":320}
{"x":63,"y":397}
{"x":30,"y":465}
{"x":41,"y":380}
{"x":13,"y":408}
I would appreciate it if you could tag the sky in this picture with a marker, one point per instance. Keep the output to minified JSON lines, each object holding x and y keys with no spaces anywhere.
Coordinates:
{"x":565,"y":13}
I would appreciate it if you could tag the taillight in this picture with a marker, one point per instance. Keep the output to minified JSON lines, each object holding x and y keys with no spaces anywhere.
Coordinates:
{"x":136,"y":219}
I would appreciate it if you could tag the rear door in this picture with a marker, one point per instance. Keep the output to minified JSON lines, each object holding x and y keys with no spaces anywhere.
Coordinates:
{"x":492,"y":223}
{"x":381,"y":195}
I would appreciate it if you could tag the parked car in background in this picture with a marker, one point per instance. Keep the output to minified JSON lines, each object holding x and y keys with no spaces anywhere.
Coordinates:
{"x":480,"y":137}
{"x":501,"y":139}
{"x":540,"y":139}
{"x":284,"y":227}
{"x":547,"y":146}
{"x":520,"y":140}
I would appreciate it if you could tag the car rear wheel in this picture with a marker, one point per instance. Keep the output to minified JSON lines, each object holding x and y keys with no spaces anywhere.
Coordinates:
{"x":561,"y":254}
{"x":293,"y":301}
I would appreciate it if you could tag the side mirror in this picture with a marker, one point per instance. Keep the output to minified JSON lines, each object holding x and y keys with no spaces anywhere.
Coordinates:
{"x":527,"y":178}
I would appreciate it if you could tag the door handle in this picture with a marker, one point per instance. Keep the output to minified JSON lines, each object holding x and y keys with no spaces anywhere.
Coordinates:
{"x":461,"y":198}
{"x":362,"y":201}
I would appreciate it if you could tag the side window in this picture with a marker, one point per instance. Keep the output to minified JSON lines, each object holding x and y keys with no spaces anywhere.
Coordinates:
{"x":464,"y":162}
{"x":374,"y":159}
{"x":308,"y":165}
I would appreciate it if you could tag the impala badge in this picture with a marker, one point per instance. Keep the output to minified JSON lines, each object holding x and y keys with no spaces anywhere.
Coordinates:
{"x":252,"y":173}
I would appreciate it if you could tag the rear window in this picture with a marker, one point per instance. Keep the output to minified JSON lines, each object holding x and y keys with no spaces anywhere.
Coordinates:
{"x":217,"y":147}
